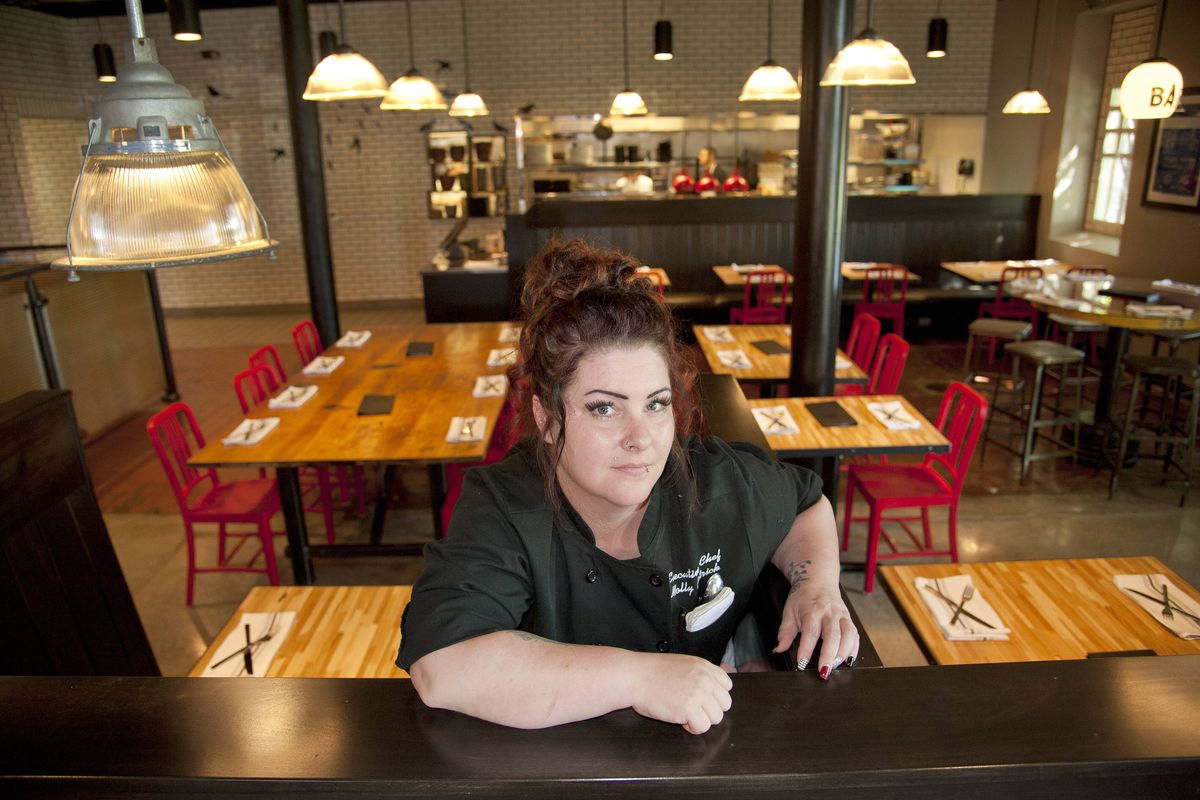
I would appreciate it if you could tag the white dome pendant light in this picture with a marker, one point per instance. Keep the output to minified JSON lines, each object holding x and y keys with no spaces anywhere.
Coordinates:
{"x":770,"y":81}
{"x":467,"y":104}
{"x":1029,"y":100}
{"x":1153,"y":88}
{"x":412,"y":91}
{"x":627,"y":103}
{"x":868,"y":61}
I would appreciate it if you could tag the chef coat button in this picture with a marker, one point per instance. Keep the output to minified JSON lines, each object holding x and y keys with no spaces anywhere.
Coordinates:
{"x":591,"y":576}
{"x":656,"y":580}
{"x":664,"y":646}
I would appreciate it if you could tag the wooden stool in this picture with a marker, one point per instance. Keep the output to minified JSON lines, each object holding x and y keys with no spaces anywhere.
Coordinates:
{"x":1168,"y":427}
{"x":992,"y":330}
{"x":1042,"y":354}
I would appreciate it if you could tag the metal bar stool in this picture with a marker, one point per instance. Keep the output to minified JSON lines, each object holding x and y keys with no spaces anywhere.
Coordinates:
{"x":990,"y":330}
{"x":1028,"y":415}
{"x":1169,"y":427}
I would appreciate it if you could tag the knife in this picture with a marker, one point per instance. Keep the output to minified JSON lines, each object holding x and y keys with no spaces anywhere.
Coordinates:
{"x":965,"y":613}
{"x":1174,"y":605}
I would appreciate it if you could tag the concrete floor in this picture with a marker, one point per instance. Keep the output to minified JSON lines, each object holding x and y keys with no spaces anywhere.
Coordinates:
{"x":1060,"y":511}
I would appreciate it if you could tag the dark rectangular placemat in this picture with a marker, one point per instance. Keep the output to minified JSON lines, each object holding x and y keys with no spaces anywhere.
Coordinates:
{"x":419,"y":349}
{"x":770,"y":347}
{"x":375,"y":404}
{"x":831,"y":414}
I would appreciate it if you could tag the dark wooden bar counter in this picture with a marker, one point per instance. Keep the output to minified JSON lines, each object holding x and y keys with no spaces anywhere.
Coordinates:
{"x":1112,"y":727}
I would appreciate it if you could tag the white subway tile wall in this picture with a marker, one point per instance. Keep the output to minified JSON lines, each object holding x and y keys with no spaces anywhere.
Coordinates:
{"x":565,"y":58}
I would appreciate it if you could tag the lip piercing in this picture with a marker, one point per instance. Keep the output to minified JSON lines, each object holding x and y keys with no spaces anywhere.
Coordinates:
{"x":647,"y":469}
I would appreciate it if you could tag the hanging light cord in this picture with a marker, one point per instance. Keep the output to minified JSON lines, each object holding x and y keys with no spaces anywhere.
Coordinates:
{"x":1037,"y":10}
{"x":466,"y":51}
{"x":1158,"y":27}
{"x":770,"y":19}
{"x":412,"y":53}
{"x":342,"y":21}
{"x":625,"y":37}
{"x":937,"y":12}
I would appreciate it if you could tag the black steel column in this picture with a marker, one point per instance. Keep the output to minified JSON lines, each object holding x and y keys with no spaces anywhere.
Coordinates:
{"x":170,"y":391}
{"x":310,"y":179}
{"x":36,"y":304}
{"x":820,"y":209}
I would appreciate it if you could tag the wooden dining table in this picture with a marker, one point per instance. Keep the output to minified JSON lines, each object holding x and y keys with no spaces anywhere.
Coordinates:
{"x":659,"y":273}
{"x":1055,"y":609}
{"x":869,"y":436}
{"x":735,"y":277}
{"x":339,"y":631}
{"x":857,"y":270}
{"x":428,"y":391}
{"x":764,"y":367}
{"x":992,"y":271}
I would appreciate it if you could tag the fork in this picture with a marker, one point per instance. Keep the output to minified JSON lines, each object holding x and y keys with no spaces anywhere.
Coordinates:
{"x":466,"y":426}
{"x":254,"y":428}
{"x":1166,"y":612}
{"x":967,"y":593}
{"x":776,"y":420}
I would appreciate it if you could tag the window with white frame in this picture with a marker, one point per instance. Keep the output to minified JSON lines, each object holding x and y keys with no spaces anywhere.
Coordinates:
{"x":1108,"y":192}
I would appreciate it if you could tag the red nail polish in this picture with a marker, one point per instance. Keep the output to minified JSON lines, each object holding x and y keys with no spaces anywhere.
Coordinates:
{"x":825,"y":673}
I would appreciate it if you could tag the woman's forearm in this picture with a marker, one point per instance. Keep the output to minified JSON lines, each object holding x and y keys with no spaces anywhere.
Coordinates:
{"x":809,"y":552}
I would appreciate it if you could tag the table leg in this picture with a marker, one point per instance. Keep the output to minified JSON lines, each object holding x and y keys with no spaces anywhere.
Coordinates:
{"x":1116,"y":342}
{"x":386,"y":482}
{"x":437,"y":497}
{"x":288,"y":480}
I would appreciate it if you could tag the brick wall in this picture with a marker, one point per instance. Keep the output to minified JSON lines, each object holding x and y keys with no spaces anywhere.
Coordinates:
{"x":564,"y":57}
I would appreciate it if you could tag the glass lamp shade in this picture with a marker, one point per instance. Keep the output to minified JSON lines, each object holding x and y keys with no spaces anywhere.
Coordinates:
{"x":413,"y":92}
{"x":770,"y":82}
{"x":707,"y":184}
{"x":1151,"y":90}
{"x":682,"y":183}
{"x":868,"y":61}
{"x":468,"y":104}
{"x":345,"y":75}
{"x":150,"y":210}
{"x":735,"y":182}
{"x":1028,"y":101}
{"x":628,"y":104}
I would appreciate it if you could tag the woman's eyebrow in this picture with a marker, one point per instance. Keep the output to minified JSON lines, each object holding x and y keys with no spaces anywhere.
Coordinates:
{"x":620,"y":396}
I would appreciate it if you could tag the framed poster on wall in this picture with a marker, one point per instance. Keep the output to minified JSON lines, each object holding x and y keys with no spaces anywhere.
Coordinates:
{"x":1173,"y":180}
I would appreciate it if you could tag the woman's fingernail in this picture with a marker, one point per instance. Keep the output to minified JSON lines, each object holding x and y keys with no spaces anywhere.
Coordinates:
{"x":825,"y":673}
{"x":802,"y":664}
{"x":850,"y":661}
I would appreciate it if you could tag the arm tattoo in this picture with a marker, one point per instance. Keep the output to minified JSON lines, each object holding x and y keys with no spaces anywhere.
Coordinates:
{"x":526,"y":636}
{"x":797,"y":572}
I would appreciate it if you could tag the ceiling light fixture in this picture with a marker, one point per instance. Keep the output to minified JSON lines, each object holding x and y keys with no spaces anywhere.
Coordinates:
{"x":1153,"y":88}
{"x":627,"y":103}
{"x":157,"y":187}
{"x":412,"y":91}
{"x":343,"y":73}
{"x":1029,"y":100}
{"x":868,"y":61}
{"x":935,"y":42}
{"x":770,"y":81}
{"x":663,"y":51}
{"x":185,"y":20}
{"x":467,"y":104}
{"x":106,"y":66}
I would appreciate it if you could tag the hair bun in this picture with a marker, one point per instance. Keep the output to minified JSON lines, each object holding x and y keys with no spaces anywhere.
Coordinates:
{"x":565,"y":269}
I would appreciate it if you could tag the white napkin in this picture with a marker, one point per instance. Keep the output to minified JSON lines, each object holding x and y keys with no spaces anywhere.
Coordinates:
{"x":965,"y":629}
{"x":1056,"y":300}
{"x":718,"y":333}
{"x":734,"y":359}
{"x":467,"y":429}
{"x":323,"y":365}
{"x":1182,"y":604}
{"x":841,"y":362}
{"x":261,"y":652}
{"x":251,"y":431}
{"x":1176,"y":286}
{"x":1084,"y":277}
{"x":292,"y":397}
{"x":1149,"y":310}
{"x":1026,"y":285}
{"x":509,"y":335}
{"x":892,"y":414}
{"x":775,"y":420}
{"x":502,"y":357}
{"x":740,"y":268}
{"x":490,"y":386}
{"x":353,"y":339}
{"x":860,"y":266}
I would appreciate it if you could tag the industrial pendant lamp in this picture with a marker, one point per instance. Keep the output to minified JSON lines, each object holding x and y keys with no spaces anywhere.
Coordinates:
{"x":1029,"y":100}
{"x":868,"y":61}
{"x":1153,"y":88}
{"x":467,"y":104}
{"x":106,"y":67}
{"x":770,"y":81}
{"x":411,"y":91}
{"x":157,"y":187}
{"x":935,"y":42}
{"x":343,"y":73}
{"x":663,"y":51}
{"x":627,"y":103}
{"x":185,"y":20}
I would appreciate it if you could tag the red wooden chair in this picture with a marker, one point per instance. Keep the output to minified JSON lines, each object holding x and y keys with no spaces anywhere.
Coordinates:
{"x":766,"y":299}
{"x":308,"y":343}
{"x":885,"y":290}
{"x":255,"y":386}
{"x":203,"y":497}
{"x":936,"y":481}
{"x":656,"y":279}
{"x":890,"y":358}
{"x":1005,"y":306}
{"x":864,"y":335}
{"x":268,"y":356}
{"x":503,"y":438}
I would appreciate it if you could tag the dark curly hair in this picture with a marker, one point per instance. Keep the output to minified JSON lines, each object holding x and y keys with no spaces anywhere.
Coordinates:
{"x":578,"y":300}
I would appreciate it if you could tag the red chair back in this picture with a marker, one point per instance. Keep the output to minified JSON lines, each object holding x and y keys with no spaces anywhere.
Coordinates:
{"x":960,"y":419}
{"x":1087,"y":270}
{"x":864,"y":335}
{"x":268,"y":356}
{"x":765,"y":300}
{"x":308,"y":343}
{"x":176,"y":436}
{"x":1011,"y":274}
{"x":254,"y":386}
{"x":890,"y":358}
{"x":656,"y":279}
{"x":887,"y":283}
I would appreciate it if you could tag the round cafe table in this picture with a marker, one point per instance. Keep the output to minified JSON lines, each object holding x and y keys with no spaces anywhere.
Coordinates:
{"x":1105,"y":302}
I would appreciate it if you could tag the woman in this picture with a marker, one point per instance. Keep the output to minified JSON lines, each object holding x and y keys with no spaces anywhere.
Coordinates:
{"x":605,"y":563}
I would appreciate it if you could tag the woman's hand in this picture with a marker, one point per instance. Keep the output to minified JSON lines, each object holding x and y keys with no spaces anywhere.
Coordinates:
{"x":684,"y":690}
{"x":813,"y":612}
